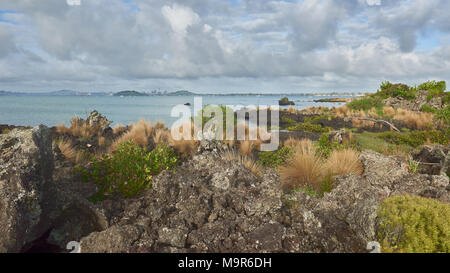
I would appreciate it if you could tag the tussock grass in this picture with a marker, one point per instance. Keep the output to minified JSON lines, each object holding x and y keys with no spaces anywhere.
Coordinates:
{"x":305,"y":168}
{"x":342,"y":162}
{"x":310,"y":168}
{"x":415,"y":120}
{"x":119,"y":129}
{"x":139,"y":134}
{"x":69,"y":152}
{"x":247,"y":161}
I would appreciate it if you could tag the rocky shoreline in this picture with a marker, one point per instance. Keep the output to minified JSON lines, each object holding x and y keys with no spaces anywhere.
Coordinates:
{"x":207,"y":204}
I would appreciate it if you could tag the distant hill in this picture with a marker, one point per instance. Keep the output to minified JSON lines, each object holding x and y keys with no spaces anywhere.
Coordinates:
{"x":130,"y":93}
{"x":181,"y":93}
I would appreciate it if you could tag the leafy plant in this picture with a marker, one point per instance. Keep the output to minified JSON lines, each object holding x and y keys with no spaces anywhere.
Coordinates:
{"x":416,"y":138}
{"x":129,"y":171}
{"x":366,"y":103}
{"x":444,"y":115}
{"x":414,"y":225}
{"x":399,"y":90}
{"x":276,"y":158}
{"x":413,"y":166}
{"x":309,"y":127}
{"x":428,"y":109}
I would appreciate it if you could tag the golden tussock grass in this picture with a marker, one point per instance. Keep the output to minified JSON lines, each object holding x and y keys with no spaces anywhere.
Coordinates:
{"x":301,"y":145}
{"x":389,"y":111}
{"x":247,"y":161}
{"x":246,"y":147}
{"x":342,"y":162}
{"x":69,"y":152}
{"x":186,"y":148}
{"x":162,"y":136}
{"x":62,"y":129}
{"x":359,"y":123}
{"x":415,"y":120}
{"x":309,"y":168}
{"x":119,"y":129}
{"x":303,"y":169}
{"x":139,"y":134}
{"x":101,"y":141}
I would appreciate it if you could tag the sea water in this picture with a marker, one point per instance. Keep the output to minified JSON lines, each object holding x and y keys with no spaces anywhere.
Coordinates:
{"x":54,"y":110}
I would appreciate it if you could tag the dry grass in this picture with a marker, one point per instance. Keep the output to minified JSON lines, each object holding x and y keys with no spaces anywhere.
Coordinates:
{"x":69,"y":152}
{"x":415,"y":120}
{"x":247,"y":161}
{"x":186,"y":148}
{"x":101,"y":141}
{"x":389,"y":111}
{"x":310,"y":168}
{"x":62,"y":129}
{"x":342,"y":162}
{"x":303,"y":169}
{"x":162,"y":136}
{"x":301,"y":145}
{"x":119,"y":129}
{"x":358,"y":123}
{"x":139,"y":134}
{"x":246,"y":147}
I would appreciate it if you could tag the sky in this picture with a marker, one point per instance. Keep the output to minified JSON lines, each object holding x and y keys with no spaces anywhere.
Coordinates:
{"x":220,"y":46}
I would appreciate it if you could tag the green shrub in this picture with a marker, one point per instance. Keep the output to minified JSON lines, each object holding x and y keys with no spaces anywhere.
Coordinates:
{"x":129,"y":171}
{"x":436,"y":89}
{"x":414,"y":225}
{"x":289,"y":121}
{"x":276,"y":158}
{"x":446,"y":98}
{"x":444,"y":115}
{"x":366,"y":103}
{"x":428,"y":109}
{"x":309,"y":127}
{"x":399,"y":90}
{"x":5,"y":131}
{"x":416,"y":138}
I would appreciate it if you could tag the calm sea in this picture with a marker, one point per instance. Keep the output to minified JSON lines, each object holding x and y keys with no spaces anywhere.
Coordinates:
{"x":54,"y":110}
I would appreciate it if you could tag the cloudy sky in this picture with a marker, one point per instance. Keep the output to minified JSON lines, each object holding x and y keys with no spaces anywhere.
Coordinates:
{"x":222,"y":45}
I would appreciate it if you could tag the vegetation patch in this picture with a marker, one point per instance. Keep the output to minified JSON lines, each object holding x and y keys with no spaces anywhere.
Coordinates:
{"x":276,"y":158}
{"x":390,"y":90}
{"x":129,"y":171}
{"x":428,"y":109}
{"x":417,"y":138}
{"x":414,"y":225}
{"x":309,"y":127}
{"x":444,"y":115}
{"x":436,"y":89}
{"x":366,"y":103}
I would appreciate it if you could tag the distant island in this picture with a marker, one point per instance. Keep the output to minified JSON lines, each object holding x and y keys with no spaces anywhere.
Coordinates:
{"x":133,"y":93}
{"x":130,"y":93}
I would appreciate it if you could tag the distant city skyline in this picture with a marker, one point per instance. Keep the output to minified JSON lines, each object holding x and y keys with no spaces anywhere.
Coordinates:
{"x":222,"y":46}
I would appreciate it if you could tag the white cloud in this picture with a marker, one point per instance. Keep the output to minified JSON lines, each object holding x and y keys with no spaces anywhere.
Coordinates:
{"x":257,"y":45}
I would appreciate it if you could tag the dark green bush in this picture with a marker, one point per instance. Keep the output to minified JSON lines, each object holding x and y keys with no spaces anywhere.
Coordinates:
{"x":436,"y":89}
{"x":366,"y":103}
{"x":276,"y":158}
{"x":309,"y":127}
{"x":444,"y":115}
{"x":429,"y":109}
{"x":414,"y":225}
{"x":129,"y":171}
{"x":446,"y":98}
{"x":399,"y":90}
{"x":416,"y":138}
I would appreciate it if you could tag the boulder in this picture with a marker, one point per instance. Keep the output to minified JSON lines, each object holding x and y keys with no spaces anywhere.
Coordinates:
{"x":285,"y":102}
{"x":213,"y":205}
{"x":40,"y":207}
{"x":26,"y":166}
